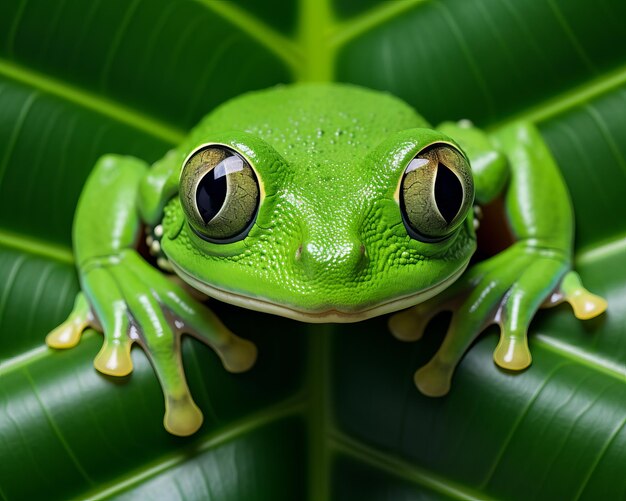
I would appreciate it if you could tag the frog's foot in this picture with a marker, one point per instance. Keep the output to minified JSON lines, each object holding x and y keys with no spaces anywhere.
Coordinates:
{"x":134,"y":303}
{"x":161,"y":313}
{"x":505,"y":290}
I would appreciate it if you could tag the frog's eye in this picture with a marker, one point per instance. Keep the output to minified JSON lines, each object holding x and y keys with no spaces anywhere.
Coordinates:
{"x":220,"y":193}
{"x":436,"y":192}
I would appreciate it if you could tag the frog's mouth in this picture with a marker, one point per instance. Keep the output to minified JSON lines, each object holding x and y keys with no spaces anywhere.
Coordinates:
{"x":333,"y":315}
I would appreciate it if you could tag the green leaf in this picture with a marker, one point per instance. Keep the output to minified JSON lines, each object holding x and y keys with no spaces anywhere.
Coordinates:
{"x":330,"y":412}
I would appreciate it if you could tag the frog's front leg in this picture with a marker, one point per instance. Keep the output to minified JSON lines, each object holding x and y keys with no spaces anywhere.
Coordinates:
{"x":131,"y":302}
{"x":509,"y":288}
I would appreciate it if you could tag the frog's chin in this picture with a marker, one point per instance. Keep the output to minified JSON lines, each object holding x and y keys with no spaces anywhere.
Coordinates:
{"x":320,"y":316}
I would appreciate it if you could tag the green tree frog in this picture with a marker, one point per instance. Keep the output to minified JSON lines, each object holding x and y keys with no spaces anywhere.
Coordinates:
{"x":321,"y":203}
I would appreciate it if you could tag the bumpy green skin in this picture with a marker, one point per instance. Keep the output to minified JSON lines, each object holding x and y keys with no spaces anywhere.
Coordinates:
{"x":328,"y":243}
{"x":330,"y":159}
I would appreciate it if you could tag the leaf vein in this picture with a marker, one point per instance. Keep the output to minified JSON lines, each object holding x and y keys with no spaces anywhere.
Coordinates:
{"x":36,"y":246}
{"x":282,"y":47}
{"x":567,"y":100}
{"x":26,"y":358}
{"x":571,"y":36}
{"x":348,"y":30}
{"x":56,"y":429}
{"x":14,"y":27}
{"x":517,"y":423}
{"x":94,"y":102}
{"x":599,"y":457}
{"x":115,"y":44}
{"x":606,"y":134}
{"x":400,"y":468}
{"x":474,"y":68}
{"x":19,"y":123}
{"x":8,"y":285}
{"x":282,"y":410}
{"x":578,"y":356}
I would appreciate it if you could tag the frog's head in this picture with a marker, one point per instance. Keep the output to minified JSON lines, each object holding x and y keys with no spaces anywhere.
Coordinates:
{"x":322,"y":203}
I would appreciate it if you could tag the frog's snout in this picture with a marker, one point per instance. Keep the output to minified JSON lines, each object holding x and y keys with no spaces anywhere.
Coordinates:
{"x":340,"y":258}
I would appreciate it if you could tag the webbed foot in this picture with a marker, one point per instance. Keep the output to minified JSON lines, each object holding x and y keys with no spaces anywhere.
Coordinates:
{"x":506,"y":290}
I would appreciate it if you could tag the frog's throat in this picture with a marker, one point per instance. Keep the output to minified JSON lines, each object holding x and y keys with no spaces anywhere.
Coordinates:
{"x":320,"y":316}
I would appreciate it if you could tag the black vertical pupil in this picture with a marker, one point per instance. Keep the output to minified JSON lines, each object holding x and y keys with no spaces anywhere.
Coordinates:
{"x":448,"y":193}
{"x":210,"y":195}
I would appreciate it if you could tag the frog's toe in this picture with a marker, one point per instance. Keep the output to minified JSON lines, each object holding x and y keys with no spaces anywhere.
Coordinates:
{"x":67,"y":335}
{"x":114,"y":358}
{"x":512,"y":353}
{"x":434,"y":379}
{"x":516,"y":310}
{"x":588,"y":306}
{"x":407,"y":325}
{"x":182,"y":416}
{"x":238,"y":355}
{"x":585,"y":304}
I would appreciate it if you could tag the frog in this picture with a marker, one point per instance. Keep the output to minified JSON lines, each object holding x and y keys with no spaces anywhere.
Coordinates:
{"x":322,"y":203}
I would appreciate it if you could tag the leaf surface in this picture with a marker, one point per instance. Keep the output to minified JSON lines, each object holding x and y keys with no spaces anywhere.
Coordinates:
{"x":330,"y":412}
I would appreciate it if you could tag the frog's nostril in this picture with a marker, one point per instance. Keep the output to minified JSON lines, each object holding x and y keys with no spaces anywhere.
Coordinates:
{"x":299,"y":253}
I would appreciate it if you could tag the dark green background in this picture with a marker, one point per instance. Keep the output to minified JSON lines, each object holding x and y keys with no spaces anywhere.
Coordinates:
{"x":330,"y":412}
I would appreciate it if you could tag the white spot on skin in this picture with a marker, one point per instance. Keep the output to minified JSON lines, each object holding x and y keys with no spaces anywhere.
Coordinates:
{"x":164,"y":264}
{"x":155,"y":247}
